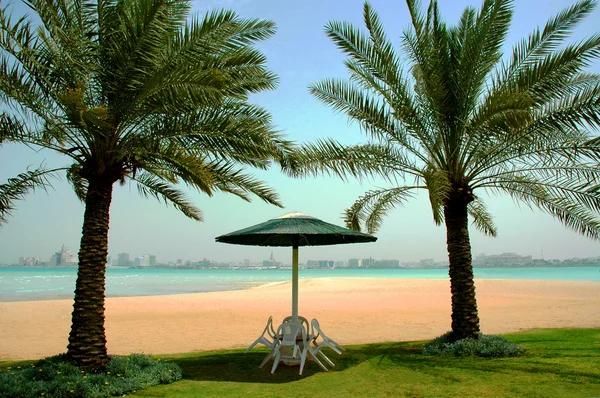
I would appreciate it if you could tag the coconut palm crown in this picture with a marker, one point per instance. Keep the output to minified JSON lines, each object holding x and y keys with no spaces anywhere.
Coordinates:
{"x":130,"y":90}
{"x":456,"y":117}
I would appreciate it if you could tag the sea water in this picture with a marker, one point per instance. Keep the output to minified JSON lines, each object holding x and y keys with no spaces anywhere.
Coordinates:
{"x":19,"y":284}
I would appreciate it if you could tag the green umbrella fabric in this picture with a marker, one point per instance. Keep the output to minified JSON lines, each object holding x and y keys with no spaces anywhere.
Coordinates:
{"x":294,"y":229}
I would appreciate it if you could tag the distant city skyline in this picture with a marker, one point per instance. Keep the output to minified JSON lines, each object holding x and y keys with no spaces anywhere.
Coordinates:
{"x":65,"y":258}
{"x":300,"y":54}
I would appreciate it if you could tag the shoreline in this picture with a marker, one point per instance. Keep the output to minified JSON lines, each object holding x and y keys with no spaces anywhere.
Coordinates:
{"x":233,"y":286}
{"x":350,"y":310}
{"x":27,"y":284}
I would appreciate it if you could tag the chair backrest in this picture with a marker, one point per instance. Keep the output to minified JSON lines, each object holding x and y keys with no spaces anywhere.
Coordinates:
{"x":290,"y":331}
{"x":301,"y":319}
{"x":317,"y":328}
{"x":269,"y":327}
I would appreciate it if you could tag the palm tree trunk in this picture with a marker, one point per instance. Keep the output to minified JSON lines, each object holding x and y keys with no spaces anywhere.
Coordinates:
{"x":465,"y":321}
{"x":87,"y":340}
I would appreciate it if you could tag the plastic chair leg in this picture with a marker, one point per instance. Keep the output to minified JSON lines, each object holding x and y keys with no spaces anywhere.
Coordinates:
{"x":251,"y":346}
{"x":325,"y":358}
{"x":333,"y":347}
{"x":313,"y":356}
{"x":276,"y":362}
{"x":266,"y":359}
{"x":302,"y":360}
{"x":338,"y":346}
{"x":295,"y":352}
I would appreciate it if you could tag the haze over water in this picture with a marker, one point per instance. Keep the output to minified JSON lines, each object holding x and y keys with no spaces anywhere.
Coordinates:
{"x":22,"y":284}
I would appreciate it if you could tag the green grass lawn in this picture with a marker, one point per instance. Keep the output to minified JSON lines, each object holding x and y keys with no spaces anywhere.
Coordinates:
{"x":558,"y":363}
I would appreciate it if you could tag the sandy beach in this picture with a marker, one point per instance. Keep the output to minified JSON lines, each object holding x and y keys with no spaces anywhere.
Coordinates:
{"x":350,"y":310}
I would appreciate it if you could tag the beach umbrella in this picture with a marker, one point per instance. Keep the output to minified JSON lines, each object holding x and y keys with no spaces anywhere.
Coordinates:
{"x":295,"y":229}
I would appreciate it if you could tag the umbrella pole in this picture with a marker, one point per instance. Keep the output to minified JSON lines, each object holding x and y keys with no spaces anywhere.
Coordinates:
{"x":295,"y":280}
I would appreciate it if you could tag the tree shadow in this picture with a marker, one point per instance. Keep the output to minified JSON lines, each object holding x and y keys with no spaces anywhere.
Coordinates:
{"x":236,"y":366}
{"x":244,"y":368}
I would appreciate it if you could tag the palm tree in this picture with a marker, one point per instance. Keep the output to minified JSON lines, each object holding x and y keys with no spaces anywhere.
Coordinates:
{"x":130,"y":91}
{"x":455,"y":117}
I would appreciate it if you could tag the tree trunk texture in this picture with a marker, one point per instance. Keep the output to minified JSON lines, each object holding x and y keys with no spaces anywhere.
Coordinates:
{"x":465,"y":320}
{"x":87,"y":340}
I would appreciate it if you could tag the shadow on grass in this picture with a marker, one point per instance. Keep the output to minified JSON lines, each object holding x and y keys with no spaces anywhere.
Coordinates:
{"x":241,"y":367}
{"x":236,"y":366}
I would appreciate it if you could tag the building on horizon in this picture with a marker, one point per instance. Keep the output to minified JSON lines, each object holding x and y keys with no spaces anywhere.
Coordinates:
{"x":387,"y":264}
{"x":271,"y":262}
{"x":426,"y":262}
{"x":501,"y":260}
{"x":367,"y":262}
{"x":141,"y":261}
{"x":63,"y":258}
{"x":123,"y":260}
{"x":29,"y":262}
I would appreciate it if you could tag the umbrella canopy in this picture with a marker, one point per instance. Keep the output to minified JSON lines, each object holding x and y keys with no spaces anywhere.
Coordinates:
{"x":294,"y":229}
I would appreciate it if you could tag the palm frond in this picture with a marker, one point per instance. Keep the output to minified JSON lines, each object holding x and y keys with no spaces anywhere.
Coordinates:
{"x":374,"y":117}
{"x":482,"y":220}
{"x":237,"y":131}
{"x":173,"y":163}
{"x":479,"y":51}
{"x":152,"y":186}
{"x":207,"y":62}
{"x":575,"y":184}
{"x":229,"y":179}
{"x":376,"y":69}
{"x":576,"y":214}
{"x":438,"y":186}
{"x":359,"y":161}
{"x":77,"y":181}
{"x":542,"y":43}
{"x":369,"y":209}
{"x":564,"y":148}
{"x":16,"y":188}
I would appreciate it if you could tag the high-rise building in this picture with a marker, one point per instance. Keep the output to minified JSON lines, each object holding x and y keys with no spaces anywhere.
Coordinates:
{"x":387,"y":264}
{"x":29,"y":261}
{"x":151,"y":260}
{"x":367,"y":262}
{"x":325,"y":264}
{"x":63,"y":258}
{"x":271,"y":261}
{"x":123,"y":260}
{"x":140,"y":261}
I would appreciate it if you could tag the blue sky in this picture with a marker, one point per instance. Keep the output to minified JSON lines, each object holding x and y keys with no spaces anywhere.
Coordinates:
{"x":300,"y":54}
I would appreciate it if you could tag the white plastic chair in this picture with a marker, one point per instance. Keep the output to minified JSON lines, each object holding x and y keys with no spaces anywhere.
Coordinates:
{"x":325,"y":341}
{"x":303,"y":321}
{"x":292,"y":339}
{"x":268,"y":336}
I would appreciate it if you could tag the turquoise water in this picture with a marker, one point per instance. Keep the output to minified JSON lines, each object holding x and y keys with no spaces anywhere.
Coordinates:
{"x":18,"y":284}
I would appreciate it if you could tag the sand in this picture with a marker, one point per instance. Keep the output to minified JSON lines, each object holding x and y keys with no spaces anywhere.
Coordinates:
{"x":351,"y":311}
